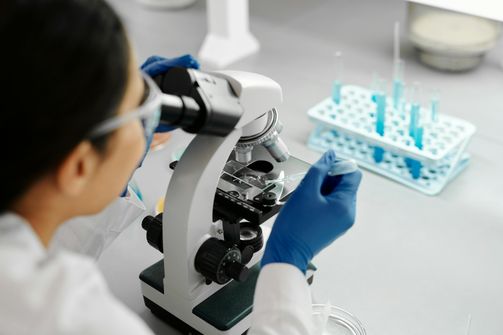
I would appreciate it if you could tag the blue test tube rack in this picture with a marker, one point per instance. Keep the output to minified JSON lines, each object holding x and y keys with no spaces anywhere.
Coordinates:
{"x":425,"y":154}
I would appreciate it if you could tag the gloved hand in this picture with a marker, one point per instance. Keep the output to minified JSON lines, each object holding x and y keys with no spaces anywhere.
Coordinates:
{"x":321,"y":209}
{"x":156,"y":65}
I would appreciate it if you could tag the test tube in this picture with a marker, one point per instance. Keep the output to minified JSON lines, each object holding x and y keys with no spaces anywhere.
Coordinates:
{"x":414,"y":117}
{"x":381,"y":113}
{"x":379,"y":97}
{"x":398,"y":69}
{"x":415,"y":108}
{"x":435,"y":100}
{"x":410,"y":96}
{"x":398,"y":84}
{"x":418,"y":137}
{"x":469,"y":324}
{"x":396,"y":41}
{"x":337,"y":84}
{"x":378,"y":88}
{"x":374,"y":85}
{"x":380,"y":100}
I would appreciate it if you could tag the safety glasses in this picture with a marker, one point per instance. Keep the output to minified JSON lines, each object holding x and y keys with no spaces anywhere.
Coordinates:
{"x":149,"y":113}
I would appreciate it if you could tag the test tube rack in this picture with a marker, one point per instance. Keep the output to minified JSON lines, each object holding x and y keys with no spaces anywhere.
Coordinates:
{"x":350,"y":127}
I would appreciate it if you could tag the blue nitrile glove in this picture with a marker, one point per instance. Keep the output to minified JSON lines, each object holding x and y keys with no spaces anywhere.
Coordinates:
{"x":321,"y":209}
{"x":156,"y":65}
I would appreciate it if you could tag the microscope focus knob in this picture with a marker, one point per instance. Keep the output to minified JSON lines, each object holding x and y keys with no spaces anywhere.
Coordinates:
{"x":219,"y":262}
{"x":238,"y":271}
{"x":153,"y":226}
{"x":247,"y":254}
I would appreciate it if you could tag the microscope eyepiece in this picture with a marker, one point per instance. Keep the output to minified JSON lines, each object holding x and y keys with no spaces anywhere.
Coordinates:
{"x":198,"y":102}
{"x":181,"y":111}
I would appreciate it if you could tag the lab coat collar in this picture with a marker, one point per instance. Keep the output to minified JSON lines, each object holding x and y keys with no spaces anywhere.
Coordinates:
{"x":15,"y":230}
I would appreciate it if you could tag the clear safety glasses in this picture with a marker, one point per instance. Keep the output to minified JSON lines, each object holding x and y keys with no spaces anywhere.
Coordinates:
{"x":149,"y":112}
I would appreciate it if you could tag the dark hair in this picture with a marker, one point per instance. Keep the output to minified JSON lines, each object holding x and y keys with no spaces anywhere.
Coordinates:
{"x":64,"y":69}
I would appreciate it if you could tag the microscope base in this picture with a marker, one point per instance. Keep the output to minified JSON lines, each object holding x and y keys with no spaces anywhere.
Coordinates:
{"x":224,"y":310}
{"x":221,"y":312}
{"x":169,"y":318}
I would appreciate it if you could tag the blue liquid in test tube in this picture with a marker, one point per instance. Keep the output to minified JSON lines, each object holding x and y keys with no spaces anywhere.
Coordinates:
{"x":379,"y":97}
{"x":378,"y":154}
{"x":337,"y":84}
{"x":416,"y":132}
{"x":398,"y":85}
{"x":414,"y":119}
{"x":381,"y":113}
{"x":418,"y":137}
{"x":336,"y":91}
{"x":414,"y":167}
{"x":398,"y":69}
{"x":398,"y":89}
{"x":380,"y":121}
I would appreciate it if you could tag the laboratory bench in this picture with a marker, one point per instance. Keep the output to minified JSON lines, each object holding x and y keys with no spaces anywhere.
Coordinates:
{"x":412,"y":263}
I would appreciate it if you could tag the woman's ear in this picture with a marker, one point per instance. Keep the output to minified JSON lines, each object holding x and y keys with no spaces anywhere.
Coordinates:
{"x":78,"y":169}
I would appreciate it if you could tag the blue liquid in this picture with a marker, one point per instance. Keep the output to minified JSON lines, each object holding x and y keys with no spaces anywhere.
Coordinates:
{"x":336,"y":91}
{"x":418,"y":137}
{"x":378,"y":154}
{"x":381,"y":113}
{"x":414,"y":119}
{"x":414,"y":167}
{"x":397,"y":93}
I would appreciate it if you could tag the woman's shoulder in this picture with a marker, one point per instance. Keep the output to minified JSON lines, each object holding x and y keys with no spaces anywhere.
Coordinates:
{"x":55,"y":293}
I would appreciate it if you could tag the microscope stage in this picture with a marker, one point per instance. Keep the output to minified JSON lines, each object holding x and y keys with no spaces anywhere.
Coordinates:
{"x":256,"y":191}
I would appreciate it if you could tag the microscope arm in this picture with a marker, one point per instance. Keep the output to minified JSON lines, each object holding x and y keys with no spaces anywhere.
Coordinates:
{"x":236,"y":107}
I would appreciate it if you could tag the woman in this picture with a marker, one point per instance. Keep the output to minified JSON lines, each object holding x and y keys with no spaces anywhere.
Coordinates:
{"x":72,"y":85}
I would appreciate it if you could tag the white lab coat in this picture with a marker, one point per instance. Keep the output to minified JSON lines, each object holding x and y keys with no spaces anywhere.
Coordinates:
{"x":64,"y":293}
{"x":91,"y":235}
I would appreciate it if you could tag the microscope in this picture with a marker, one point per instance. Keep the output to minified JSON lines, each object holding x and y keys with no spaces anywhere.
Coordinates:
{"x":233,"y":177}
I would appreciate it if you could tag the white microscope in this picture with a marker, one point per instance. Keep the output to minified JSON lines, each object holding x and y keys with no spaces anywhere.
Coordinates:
{"x":232,"y":178}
